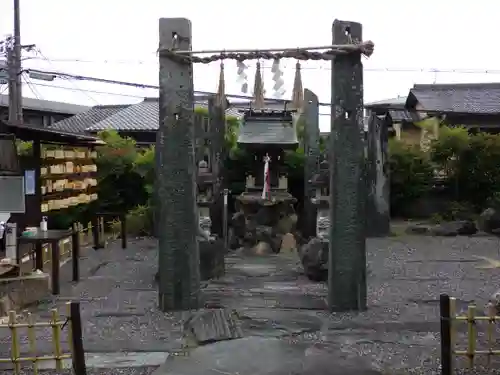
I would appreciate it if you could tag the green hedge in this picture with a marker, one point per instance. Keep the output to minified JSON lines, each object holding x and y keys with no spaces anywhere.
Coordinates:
{"x":465,"y":166}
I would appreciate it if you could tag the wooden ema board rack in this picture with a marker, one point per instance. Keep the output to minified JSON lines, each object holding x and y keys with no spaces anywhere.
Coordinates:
{"x":67,"y":177}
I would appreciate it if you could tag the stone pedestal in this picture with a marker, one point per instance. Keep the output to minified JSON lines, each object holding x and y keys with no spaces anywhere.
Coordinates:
{"x":261,"y":224}
{"x":211,"y":258}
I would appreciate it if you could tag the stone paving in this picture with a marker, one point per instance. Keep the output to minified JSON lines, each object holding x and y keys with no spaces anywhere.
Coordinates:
{"x":282,"y":313}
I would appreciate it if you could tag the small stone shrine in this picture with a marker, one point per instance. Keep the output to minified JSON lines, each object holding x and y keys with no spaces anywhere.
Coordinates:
{"x":265,"y":220}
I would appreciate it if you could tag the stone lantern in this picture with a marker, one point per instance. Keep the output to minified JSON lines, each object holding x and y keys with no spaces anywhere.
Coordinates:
{"x":205,"y":198}
{"x":321,"y":185}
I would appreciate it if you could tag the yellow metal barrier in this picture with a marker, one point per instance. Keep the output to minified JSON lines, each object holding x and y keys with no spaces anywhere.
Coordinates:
{"x":449,"y":322}
{"x":71,"y":323}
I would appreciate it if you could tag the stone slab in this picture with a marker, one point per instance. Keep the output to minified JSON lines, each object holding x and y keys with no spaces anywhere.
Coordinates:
{"x":18,"y":292}
{"x":275,"y":357}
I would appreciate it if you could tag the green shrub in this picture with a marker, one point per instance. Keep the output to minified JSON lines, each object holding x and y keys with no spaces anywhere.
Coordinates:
{"x":411,"y":174}
{"x":139,"y":222}
{"x":478,"y":174}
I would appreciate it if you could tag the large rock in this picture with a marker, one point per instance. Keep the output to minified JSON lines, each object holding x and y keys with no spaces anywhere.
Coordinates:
{"x":287,"y":224}
{"x":314,"y":258}
{"x":265,"y":234}
{"x":288,"y":243}
{"x":447,"y":229}
{"x":238,"y":223}
{"x":212,"y":263}
{"x":489,"y":221}
{"x":262,"y":248}
{"x":455,"y":228}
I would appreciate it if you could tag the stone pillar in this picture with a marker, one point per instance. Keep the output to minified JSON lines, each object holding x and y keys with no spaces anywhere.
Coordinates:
{"x":347,"y":255}
{"x":199,"y":136}
{"x":378,"y":202}
{"x":179,"y":258}
{"x":217,"y":136}
{"x":311,"y":151}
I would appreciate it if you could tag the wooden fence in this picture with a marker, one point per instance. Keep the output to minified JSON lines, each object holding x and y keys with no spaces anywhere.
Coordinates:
{"x":450,"y":348}
{"x":71,"y":323}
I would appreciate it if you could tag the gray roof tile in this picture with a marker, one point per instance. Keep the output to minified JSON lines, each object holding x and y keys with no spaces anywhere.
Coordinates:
{"x":267,"y":132}
{"x":141,"y":116}
{"x":80,"y":122}
{"x":402,"y":115}
{"x":398,"y":102}
{"x":46,"y":105}
{"x":477,"y":98}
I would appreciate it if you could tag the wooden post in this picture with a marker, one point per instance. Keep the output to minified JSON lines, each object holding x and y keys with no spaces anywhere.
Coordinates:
{"x":347,"y":255}
{"x":123,"y":229}
{"x":37,"y":158}
{"x":78,"y":352}
{"x":446,"y":347}
{"x":377,"y":207}
{"x":311,"y":151}
{"x":96,"y":232}
{"x":179,"y":257}
{"x":38,"y":256}
{"x":56,"y":264}
{"x":75,"y":247}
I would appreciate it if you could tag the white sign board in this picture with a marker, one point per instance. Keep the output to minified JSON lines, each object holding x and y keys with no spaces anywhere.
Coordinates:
{"x":12,"y":197}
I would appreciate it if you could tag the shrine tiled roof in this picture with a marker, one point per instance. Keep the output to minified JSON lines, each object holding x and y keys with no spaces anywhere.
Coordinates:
{"x":268,"y":131}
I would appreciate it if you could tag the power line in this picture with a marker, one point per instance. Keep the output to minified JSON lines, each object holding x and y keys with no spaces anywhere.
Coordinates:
{"x":31,"y":87}
{"x":38,"y":51}
{"x":101,"y":92}
{"x":285,"y":66}
{"x":144,"y":86}
{"x":88,"y":91}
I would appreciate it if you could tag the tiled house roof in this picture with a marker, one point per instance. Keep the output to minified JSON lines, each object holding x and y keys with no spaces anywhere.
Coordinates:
{"x":80,"y":122}
{"x":46,"y":105}
{"x":142,"y":116}
{"x":472,"y":98}
{"x":398,"y":102}
{"x":395,"y":106}
{"x":267,"y":131}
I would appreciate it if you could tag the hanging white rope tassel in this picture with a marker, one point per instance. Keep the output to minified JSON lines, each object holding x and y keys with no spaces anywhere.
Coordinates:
{"x":258,"y":89}
{"x":298,"y":90}
{"x":278,"y":89}
{"x":242,"y":76}
{"x":267,"y":178}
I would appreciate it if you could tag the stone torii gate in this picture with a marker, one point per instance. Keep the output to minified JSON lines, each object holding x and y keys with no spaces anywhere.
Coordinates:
{"x":179,"y":274}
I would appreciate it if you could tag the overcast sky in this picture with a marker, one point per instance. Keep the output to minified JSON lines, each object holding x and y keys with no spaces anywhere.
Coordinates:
{"x":118,"y":39}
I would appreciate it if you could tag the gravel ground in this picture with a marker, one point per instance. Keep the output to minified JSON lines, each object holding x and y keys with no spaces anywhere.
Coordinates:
{"x":400,"y":330}
{"x":90,"y":371}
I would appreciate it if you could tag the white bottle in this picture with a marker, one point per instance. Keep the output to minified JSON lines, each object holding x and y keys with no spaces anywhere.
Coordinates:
{"x":43,"y":224}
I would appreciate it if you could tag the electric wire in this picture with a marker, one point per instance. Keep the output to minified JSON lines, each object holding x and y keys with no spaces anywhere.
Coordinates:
{"x":292,"y":66}
{"x":39,"y":52}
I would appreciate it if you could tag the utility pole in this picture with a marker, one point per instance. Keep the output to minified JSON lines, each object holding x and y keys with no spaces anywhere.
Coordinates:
{"x":14,"y":69}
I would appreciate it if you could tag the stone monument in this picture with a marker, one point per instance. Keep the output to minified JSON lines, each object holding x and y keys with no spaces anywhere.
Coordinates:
{"x":314,"y":254}
{"x":265,"y":211}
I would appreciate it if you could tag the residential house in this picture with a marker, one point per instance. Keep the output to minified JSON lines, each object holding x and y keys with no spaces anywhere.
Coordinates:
{"x":473,"y":105}
{"x":138,"y":121}
{"x":41,"y":113}
{"x":403,"y":127}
